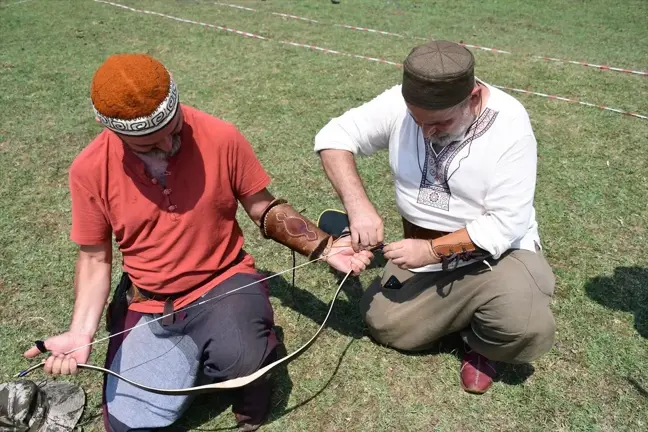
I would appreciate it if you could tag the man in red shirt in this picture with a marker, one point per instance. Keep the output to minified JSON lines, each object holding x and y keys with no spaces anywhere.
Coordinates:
{"x":166,"y":180}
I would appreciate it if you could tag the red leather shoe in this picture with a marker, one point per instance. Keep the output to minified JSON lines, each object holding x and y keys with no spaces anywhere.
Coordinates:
{"x":477,"y":373}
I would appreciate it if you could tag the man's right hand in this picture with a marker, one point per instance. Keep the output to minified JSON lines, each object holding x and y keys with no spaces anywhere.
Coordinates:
{"x":59,"y":363}
{"x":366,"y":227}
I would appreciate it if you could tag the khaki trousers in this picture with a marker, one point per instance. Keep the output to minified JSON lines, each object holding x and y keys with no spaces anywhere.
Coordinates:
{"x":501,"y":313}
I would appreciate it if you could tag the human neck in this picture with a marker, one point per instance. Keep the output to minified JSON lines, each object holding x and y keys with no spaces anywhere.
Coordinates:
{"x":156,"y":167}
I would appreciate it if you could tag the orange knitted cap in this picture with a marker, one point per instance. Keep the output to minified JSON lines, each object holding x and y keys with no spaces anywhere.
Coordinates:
{"x":133,"y":94}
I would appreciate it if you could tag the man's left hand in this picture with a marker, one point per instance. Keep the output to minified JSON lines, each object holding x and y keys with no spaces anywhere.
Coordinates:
{"x":411,"y":253}
{"x":343,"y":258}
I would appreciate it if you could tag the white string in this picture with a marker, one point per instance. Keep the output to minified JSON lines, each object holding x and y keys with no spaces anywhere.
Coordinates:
{"x":200,"y":303}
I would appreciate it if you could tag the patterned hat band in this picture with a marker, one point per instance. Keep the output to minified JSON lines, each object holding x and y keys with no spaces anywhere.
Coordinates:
{"x":145,"y":125}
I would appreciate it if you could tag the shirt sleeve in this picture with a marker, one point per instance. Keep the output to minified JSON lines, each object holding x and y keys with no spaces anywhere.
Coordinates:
{"x":365,"y":129}
{"x":509,"y":199}
{"x":90,"y":226}
{"x":247,"y":175}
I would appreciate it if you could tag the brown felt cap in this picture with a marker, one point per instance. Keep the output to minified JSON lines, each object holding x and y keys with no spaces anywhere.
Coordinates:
{"x":438,"y":75}
{"x":129,"y":86}
{"x":133,"y":94}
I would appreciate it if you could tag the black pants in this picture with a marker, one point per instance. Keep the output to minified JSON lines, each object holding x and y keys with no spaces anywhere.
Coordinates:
{"x":229,"y":337}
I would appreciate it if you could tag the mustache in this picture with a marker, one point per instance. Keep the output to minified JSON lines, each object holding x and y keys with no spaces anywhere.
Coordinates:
{"x":161,"y":154}
{"x":445,"y":138}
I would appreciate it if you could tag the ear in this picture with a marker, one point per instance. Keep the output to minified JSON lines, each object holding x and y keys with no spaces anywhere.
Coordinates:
{"x":475,"y":96}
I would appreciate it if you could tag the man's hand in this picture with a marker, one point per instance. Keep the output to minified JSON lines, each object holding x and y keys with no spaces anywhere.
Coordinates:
{"x":59,"y":363}
{"x":343,"y":258}
{"x":366,"y":227}
{"x":411,"y":253}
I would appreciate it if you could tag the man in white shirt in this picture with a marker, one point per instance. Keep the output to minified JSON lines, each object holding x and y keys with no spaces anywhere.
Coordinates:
{"x":463,"y":160}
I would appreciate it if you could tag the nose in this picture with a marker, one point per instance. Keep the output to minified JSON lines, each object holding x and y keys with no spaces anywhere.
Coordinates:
{"x":166,"y":144}
{"x":429,"y":130}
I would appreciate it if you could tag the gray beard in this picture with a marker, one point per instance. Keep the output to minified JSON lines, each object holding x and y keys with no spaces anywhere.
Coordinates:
{"x":447,"y":139}
{"x":161,"y":154}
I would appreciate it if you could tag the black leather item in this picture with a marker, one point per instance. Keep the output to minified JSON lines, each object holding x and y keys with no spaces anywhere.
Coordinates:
{"x":333,"y":222}
{"x":119,"y":304}
{"x":41,"y":346}
{"x":393,"y":283}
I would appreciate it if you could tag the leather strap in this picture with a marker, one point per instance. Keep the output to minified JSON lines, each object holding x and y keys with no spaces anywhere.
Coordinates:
{"x":455,"y":247}
{"x":448,"y":247}
{"x":169,"y":316}
{"x":456,"y":243}
{"x":411,"y":231}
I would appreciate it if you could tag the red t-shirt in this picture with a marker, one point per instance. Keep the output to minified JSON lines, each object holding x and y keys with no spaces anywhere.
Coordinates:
{"x":172,"y":239}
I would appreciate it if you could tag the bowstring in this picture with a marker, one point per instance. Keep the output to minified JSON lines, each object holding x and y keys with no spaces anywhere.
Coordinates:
{"x":193,"y":305}
{"x":267,"y":368}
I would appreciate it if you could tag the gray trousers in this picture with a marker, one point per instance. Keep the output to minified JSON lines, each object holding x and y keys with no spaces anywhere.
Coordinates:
{"x":501,"y":313}
{"x":229,"y":337}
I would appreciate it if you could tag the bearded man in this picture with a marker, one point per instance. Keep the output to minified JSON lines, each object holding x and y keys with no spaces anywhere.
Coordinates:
{"x":166,"y":179}
{"x":463,"y":160}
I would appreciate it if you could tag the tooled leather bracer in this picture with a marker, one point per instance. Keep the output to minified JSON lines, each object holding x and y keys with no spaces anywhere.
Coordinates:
{"x":283,"y":224}
{"x":455,"y":247}
{"x":449,"y":248}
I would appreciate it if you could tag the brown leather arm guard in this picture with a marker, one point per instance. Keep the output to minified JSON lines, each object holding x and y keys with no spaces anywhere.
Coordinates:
{"x":456,"y":246}
{"x":283,"y":224}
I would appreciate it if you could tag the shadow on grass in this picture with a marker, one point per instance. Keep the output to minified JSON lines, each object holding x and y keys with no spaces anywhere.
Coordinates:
{"x":510,"y":374}
{"x":345,"y":318}
{"x":514,"y":374}
{"x":275,"y":415}
{"x":212,"y":405}
{"x":625,"y":290}
{"x":640,"y":389}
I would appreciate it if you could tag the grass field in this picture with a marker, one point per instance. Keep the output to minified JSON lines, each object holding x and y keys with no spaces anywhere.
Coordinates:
{"x":591,"y":196}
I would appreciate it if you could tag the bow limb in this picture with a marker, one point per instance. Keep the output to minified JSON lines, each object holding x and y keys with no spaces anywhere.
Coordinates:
{"x":224,"y":385}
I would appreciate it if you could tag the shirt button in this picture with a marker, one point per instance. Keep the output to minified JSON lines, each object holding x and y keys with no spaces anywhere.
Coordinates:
{"x":172,"y":208}
{"x":166,"y":191}
{"x":154,"y":181}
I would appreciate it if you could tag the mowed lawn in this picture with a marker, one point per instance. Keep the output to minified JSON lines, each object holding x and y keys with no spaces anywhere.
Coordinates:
{"x":591,"y":199}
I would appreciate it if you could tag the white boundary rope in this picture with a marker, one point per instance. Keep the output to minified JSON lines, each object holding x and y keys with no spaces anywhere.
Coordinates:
{"x":494,"y":50}
{"x":373,"y":59}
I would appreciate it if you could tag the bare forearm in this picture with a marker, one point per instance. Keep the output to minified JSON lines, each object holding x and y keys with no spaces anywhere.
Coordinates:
{"x":92,"y":288}
{"x":341,"y":170}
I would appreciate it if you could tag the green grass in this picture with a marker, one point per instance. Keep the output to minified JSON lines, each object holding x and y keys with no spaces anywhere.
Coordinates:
{"x":591,"y":196}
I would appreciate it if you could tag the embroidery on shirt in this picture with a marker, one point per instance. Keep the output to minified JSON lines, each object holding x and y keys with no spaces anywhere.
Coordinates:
{"x":434,"y":190}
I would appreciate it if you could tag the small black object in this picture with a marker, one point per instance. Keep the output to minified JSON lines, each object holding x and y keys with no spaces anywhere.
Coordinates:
{"x":41,"y":346}
{"x":118,"y":307}
{"x":333,"y":222}
{"x":393,"y":283}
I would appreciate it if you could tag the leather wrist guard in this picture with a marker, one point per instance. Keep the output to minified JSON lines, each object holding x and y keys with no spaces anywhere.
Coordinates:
{"x":456,"y":246}
{"x":283,"y":224}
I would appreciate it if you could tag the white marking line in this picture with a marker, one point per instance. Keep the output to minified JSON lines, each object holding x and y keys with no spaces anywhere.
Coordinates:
{"x":16,"y":3}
